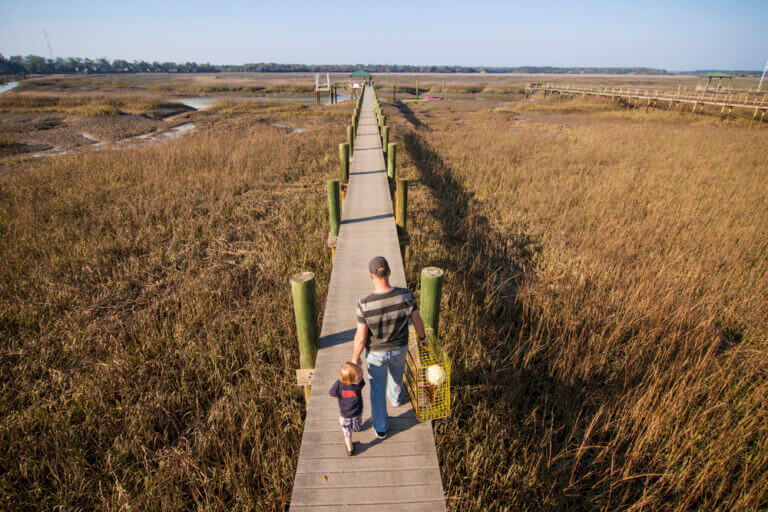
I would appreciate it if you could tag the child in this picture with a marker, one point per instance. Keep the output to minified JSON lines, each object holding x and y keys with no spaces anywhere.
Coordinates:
{"x":348,"y":392}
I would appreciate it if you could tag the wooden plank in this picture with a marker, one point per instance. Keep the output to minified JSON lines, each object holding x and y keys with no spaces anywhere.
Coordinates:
{"x":373,"y":448}
{"x":367,"y":495}
{"x":313,"y":424}
{"x":388,"y":479}
{"x":429,"y":506}
{"x":355,"y":464}
{"x":366,"y":436}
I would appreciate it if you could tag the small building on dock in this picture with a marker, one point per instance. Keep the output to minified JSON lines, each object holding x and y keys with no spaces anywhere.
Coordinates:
{"x":722,"y":82}
{"x":358,"y":79}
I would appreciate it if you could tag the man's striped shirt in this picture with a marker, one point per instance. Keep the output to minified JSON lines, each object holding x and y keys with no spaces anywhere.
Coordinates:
{"x":386,"y":315}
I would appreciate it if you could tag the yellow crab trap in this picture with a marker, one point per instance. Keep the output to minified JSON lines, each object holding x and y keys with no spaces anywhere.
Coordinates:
{"x":428,"y":377}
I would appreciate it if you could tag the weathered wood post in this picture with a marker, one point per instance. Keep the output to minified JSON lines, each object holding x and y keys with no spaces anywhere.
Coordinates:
{"x":401,"y":205}
{"x":385,"y":140}
{"x":401,"y":215}
{"x":350,"y":140}
{"x":391,"y":160}
{"x":304,"y":291}
{"x":344,"y":179}
{"x":417,"y":89}
{"x":394,"y":91}
{"x":431,"y":293}
{"x":334,"y":214}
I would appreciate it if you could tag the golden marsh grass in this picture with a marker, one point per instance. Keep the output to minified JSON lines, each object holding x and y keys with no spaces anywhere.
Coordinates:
{"x":605,"y":309}
{"x":148,"y":342}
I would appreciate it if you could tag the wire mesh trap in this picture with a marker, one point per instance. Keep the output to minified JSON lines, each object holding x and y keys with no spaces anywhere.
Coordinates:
{"x":428,"y":377}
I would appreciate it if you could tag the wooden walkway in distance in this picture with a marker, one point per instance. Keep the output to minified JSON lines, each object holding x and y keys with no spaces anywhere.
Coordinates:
{"x":401,"y":472}
{"x":753,"y":102}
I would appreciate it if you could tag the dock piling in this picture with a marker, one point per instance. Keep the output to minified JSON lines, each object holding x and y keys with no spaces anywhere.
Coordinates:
{"x":304,"y":291}
{"x":401,"y":216}
{"x":391,"y":160}
{"x":344,"y":159}
{"x":431,"y":293}
{"x":334,"y":212}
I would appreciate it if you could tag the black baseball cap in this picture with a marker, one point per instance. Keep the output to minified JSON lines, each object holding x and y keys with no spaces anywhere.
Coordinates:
{"x":378,"y":266}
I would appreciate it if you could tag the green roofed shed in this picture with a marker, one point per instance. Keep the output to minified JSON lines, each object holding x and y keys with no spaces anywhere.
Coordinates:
{"x":715,"y":74}
{"x":360,"y":77}
{"x":701,"y":86}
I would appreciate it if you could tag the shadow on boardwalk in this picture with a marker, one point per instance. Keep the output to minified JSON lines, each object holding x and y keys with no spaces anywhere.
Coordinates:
{"x":511,"y":419}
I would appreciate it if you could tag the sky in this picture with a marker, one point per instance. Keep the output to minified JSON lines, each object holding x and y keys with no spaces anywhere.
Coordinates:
{"x":674,"y":35}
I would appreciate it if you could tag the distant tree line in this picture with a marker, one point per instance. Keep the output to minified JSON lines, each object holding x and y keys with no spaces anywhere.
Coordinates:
{"x":34,"y":64}
{"x":400,"y":68}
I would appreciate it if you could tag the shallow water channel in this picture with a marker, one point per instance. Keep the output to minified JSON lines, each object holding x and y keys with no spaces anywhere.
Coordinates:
{"x":204,"y":102}
{"x":7,"y":87}
{"x":129,"y":142}
{"x":197,"y":103}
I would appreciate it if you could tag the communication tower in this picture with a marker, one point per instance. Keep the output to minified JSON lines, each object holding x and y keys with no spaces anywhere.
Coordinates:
{"x":50,"y":48}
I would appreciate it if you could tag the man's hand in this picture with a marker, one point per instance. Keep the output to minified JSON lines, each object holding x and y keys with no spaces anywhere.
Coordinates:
{"x":418,"y":325}
{"x":359,"y":342}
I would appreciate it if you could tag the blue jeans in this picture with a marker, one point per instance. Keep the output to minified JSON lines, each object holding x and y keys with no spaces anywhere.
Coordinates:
{"x":380,"y":365}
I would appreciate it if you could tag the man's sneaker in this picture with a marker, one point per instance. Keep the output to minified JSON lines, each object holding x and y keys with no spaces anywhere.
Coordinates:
{"x":381,"y":435}
{"x":404,"y":402}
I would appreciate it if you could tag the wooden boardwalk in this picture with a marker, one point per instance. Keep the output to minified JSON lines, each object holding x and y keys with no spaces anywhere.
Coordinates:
{"x":401,"y":472}
{"x":758,"y":103}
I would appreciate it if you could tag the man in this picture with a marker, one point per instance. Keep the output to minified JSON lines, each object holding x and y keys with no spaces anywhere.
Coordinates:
{"x":382,"y":329}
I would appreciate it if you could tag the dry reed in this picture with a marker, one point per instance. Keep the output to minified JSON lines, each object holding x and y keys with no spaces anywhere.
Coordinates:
{"x":147,"y":339}
{"x":606,"y":302}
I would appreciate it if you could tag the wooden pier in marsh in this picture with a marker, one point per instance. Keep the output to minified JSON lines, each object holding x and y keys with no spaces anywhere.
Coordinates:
{"x":400,"y":472}
{"x":757,"y":103}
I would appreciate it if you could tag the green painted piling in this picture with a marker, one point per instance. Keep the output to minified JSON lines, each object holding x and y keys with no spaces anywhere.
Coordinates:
{"x":391,"y":160}
{"x":401,"y":216}
{"x":350,"y":139}
{"x":431,"y":293}
{"x":385,"y":139}
{"x":304,"y":291}
{"x":344,"y":158}
{"x":401,"y":206}
{"x":334,"y":207}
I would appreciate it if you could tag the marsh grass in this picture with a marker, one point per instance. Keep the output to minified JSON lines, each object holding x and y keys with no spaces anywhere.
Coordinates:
{"x":148,"y":343}
{"x":95,"y":110}
{"x":605,"y":308}
{"x":83,"y":103}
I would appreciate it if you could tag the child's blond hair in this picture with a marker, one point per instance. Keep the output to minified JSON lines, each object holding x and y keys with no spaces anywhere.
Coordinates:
{"x":350,"y":373}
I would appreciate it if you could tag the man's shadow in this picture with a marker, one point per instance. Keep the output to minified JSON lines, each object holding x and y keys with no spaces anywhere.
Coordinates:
{"x":407,"y":420}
